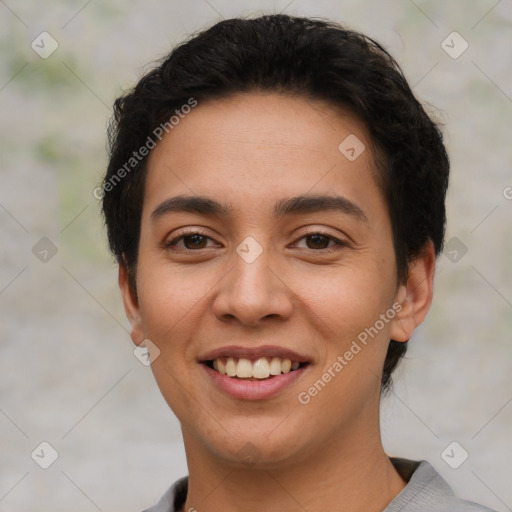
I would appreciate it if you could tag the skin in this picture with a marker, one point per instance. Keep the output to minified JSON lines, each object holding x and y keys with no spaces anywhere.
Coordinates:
{"x":249,"y":151}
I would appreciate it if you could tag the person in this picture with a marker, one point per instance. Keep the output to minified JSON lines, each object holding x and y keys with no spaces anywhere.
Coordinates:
{"x":275,"y":200}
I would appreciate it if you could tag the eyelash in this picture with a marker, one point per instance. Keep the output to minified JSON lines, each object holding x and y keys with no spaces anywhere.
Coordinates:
{"x":340,"y":244}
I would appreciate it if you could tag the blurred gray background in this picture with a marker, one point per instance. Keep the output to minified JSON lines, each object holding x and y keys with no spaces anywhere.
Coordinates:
{"x":68,"y":375}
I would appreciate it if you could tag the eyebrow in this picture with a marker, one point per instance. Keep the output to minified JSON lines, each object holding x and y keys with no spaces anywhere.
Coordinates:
{"x":298,"y":205}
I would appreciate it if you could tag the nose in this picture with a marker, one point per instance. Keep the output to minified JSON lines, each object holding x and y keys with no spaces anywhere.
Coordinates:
{"x":252,"y":293}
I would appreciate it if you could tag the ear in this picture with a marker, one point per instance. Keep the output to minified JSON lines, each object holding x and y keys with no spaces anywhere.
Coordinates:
{"x":131,"y":305}
{"x":415,"y":296}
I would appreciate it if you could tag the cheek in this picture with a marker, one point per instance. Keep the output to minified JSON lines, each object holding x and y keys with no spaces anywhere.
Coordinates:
{"x":345,"y":308}
{"x":170,"y":299}
{"x":345,"y":299}
{"x":339,"y":300}
{"x":172,"y":304}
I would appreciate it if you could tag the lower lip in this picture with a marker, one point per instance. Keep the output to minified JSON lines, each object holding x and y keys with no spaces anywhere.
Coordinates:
{"x":245,"y":389}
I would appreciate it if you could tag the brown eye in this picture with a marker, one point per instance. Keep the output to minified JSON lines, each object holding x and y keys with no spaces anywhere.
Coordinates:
{"x":321,"y":243}
{"x":190,"y":241}
{"x":194,"y":241}
{"x":318,"y":241}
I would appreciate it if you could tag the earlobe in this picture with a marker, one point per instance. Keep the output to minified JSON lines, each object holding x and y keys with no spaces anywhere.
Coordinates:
{"x":131,"y":305}
{"x":415,"y":296}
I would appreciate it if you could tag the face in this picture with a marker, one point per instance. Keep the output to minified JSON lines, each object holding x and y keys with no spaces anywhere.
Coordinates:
{"x":266,"y":252}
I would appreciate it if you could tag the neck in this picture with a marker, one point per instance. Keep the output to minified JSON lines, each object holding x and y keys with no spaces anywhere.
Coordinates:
{"x":349,"y":476}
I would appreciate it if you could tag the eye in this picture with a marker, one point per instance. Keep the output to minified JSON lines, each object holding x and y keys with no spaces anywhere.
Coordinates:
{"x":189,"y":241}
{"x":319,"y":241}
{"x":196,"y":240}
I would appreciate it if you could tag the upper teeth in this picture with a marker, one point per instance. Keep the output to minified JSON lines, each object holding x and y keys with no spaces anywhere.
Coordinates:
{"x":259,"y":369}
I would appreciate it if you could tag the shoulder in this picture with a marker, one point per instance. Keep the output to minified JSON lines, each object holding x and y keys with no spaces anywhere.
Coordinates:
{"x":427,"y":491}
{"x":174,"y":497}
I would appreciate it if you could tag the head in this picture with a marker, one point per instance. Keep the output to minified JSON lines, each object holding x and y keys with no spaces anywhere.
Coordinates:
{"x":247,"y":114}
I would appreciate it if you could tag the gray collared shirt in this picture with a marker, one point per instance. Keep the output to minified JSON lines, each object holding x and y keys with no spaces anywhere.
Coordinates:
{"x":426,"y":491}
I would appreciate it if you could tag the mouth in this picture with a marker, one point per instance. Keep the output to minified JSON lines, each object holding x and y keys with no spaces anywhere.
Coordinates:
{"x":254,"y":373}
{"x":259,"y":368}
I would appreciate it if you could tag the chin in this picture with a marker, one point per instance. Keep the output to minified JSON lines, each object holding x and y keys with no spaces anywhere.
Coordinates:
{"x":252,"y":447}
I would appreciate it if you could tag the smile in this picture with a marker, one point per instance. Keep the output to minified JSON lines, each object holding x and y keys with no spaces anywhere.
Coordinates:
{"x":259,"y":369}
{"x":254,"y":373}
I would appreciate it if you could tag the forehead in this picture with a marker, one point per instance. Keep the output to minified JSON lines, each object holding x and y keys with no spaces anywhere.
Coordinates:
{"x":252,"y":150}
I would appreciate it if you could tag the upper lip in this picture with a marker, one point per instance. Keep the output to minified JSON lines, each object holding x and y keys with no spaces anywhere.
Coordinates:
{"x":252,"y":353}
